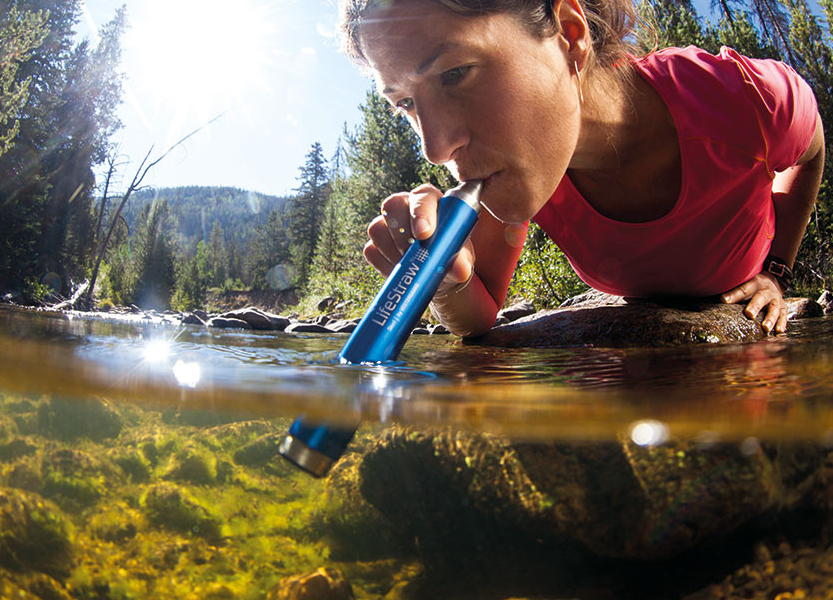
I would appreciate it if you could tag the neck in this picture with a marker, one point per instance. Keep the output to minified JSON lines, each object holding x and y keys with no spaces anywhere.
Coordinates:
{"x":614,"y":122}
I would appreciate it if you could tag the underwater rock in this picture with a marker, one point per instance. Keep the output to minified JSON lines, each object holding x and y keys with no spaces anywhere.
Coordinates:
{"x":167,"y":505}
{"x":325,"y":583}
{"x":260,"y":451}
{"x":68,"y":419}
{"x":621,"y":324}
{"x":782,"y":571}
{"x":135,"y":465}
{"x":74,"y":478}
{"x":31,"y":586}
{"x":193,"y":465}
{"x":462,"y":499}
{"x":34,"y":534}
{"x":461,"y":494}
{"x":355,"y":530}
{"x":115,"y":523}
{"x":16,"y":448}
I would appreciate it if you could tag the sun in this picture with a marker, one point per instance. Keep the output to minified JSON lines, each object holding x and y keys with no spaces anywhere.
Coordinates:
{"x":197,"y":58}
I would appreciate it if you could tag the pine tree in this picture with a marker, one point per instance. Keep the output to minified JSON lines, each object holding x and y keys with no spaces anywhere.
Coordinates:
{"x":383,"y":157}
{"x":20,"y":33}
{"x":268,"y":254}
{"x":306,"y":211}
{"x":46,"y":178}
{"x":152,"y":273}
{"x":217,"y":263}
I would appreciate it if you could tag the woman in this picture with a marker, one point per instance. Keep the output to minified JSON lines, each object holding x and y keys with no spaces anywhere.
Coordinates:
{"x":678,"y":173}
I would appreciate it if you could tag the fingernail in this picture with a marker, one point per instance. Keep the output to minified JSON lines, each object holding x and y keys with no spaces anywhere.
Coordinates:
{"x":421,"y":226}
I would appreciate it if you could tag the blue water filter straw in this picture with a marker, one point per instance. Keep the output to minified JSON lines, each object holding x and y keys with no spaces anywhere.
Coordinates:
{"x":385,"y":327}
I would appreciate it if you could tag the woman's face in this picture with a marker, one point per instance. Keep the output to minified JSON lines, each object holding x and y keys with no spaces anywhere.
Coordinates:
{"x":488,"y":99}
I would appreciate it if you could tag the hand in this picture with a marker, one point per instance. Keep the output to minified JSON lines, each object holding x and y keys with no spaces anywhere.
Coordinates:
{"x":407,"y":216}
{"x":762,"y":291}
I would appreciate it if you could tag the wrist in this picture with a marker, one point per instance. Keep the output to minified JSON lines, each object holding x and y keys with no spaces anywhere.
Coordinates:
{"x":453,"y":289}
{"x":779,"y":270}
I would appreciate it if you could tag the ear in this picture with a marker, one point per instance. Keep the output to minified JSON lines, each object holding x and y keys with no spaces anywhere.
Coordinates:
{"x":573,"y":29}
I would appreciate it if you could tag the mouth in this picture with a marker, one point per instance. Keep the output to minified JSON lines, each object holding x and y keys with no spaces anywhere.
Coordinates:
{"x":487,"y":181}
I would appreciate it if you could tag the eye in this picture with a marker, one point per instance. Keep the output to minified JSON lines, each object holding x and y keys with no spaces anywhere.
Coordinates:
{"x":404,"y":105}
{"x":454,"y":76}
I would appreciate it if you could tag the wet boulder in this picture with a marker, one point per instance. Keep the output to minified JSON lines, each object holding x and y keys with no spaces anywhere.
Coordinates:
{"x":69,"y":419}
{"x":516,"y":311}
{"x":803,"y":308}
{"x":172,"y":507}
{"x":299,"y":327}
{"x":34,"y":534}
{"x":615,"y":323}
{"x":326,"y":583}
{"x":76,"y":479}
{"x":257,"y":318}
{"x":192,"y":319}
{"x":459,"y":494}
{"x":193,"y":465}
{"x":260,"y":451}
{"x":227,"y":323}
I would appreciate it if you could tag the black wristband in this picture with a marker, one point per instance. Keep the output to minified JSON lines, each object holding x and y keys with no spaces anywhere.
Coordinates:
{"x":778,"y":268}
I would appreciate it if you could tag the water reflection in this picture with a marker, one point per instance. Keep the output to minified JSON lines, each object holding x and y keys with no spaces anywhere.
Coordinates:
{"x":781,"y":387}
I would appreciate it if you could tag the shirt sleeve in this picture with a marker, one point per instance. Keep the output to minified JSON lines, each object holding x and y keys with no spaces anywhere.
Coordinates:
{"x":784,"y":104}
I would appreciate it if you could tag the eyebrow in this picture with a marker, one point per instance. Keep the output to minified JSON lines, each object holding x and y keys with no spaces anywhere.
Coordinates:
{"x":426,"y":64}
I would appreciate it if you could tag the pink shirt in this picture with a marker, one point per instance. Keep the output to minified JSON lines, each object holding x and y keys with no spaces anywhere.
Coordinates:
{"x":738,"y":121}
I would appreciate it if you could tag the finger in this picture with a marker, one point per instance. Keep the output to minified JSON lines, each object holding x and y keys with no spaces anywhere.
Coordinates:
{"x":781,"y":325}
{"x":382,"y":241}
{"x":756,"y":304}
{"x":423,"y":202}
{"x":462,"y":265}
{"x":397,"y":216}
{"x":461,"y":270}
{"x":742,"y":292}
{"x":377,"y":260}
{"x":772,"y":316}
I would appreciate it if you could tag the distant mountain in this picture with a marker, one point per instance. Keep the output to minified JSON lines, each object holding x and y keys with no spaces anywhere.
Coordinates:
{"x":194,"y":209}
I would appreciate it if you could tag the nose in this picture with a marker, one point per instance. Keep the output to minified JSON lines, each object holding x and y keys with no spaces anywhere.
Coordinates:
{"x":443,"y":130}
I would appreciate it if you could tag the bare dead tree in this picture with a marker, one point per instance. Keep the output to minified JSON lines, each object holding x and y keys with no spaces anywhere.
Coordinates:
{"x":135,"y":185}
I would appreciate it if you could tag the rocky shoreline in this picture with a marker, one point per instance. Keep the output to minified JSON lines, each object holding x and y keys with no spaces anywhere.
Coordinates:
{"x":592,"y":318}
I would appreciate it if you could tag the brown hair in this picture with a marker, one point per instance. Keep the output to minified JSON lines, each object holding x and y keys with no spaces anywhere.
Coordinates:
{"x":610,"y":21}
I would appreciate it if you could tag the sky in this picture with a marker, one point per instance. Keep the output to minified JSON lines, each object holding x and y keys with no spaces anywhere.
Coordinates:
{"x":270,"y":68}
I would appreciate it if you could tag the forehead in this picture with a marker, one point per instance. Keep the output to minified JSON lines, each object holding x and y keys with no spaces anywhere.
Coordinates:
{"x":405,"y":39}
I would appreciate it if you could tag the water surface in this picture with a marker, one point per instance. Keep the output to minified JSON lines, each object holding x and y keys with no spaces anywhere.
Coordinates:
{"x":138,"y":459}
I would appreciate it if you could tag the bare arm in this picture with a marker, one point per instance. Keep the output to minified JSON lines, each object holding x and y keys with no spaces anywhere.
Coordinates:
{"x":794,"y":192}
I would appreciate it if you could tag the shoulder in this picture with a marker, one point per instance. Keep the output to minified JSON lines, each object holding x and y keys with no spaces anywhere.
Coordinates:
{"x":728,"y":69}
{"x":761,"y":98}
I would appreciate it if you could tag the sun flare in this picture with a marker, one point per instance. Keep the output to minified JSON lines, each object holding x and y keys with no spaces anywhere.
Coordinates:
{"x":200,"y":57}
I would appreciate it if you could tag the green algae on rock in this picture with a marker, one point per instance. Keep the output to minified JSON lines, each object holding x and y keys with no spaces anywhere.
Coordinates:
{"x":34,"y":534}
{"x":468,"y":492}
{"x":193,"y":465}
{"x":69,"y":419}
{"x":168,"y":505}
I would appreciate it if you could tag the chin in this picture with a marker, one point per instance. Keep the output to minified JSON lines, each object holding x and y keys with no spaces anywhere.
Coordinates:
{"x":508,"y":217}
